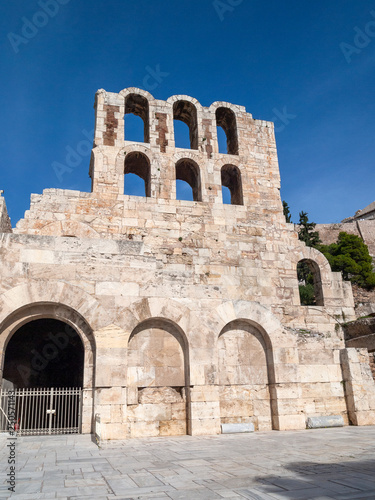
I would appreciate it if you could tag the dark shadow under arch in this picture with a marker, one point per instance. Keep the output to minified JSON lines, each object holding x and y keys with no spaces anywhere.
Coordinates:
{"x":231,"y":179}
{"x":186,"y":112}
{"x":226,"y":119}
{"x":137,"y":163}
{"x":44,"y":353}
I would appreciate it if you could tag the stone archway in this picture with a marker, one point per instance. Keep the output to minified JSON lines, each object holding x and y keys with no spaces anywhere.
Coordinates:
{"x":44,"y":353}
{"x":23,"y":305}
{"x":244,"y":375}
{"x":157,"y":375}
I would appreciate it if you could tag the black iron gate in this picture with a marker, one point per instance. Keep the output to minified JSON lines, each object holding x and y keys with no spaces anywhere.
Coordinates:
{"x":41,"y":411}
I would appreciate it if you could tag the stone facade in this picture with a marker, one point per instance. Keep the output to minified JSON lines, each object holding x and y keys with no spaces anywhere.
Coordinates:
{"x":5,"y":225}
{"x":188,"y":311}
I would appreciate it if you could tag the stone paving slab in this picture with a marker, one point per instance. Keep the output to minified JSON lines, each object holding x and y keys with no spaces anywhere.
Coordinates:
{"x":319,"y":464}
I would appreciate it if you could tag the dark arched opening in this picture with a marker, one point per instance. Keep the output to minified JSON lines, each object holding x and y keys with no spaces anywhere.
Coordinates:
{"x":231,"y":179}
{"x":44,"y":353}
{"x":137,"y":164}
{"x":309,"y":283}
{"x":226,"y":119}
{"x":137,"y":105}
{"x":186,"y":112}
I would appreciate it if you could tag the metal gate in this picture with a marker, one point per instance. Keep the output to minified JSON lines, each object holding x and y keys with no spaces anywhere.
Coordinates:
{"x":41,"y":411}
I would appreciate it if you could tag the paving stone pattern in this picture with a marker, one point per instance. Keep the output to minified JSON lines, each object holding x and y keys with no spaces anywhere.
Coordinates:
{"x":320,"y":464}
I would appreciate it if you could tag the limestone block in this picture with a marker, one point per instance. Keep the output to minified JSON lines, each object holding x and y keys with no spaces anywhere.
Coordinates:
{"x":236,"y":428}
{"x":324,"y":421}
{"x":261,"y":407}
{"x":313,"y":373}
{"x":285,"y":355}
{"x":132,"y":395}
{"x":143,"y":429}
{"x":316,"y":357}
{"x":264,"y":423}
{"x":288,"y":391}
{"x":159,"y":395}
{"x":113,"y":431}
{"x":365,"y":418}
{"x":173,"y":428}
{"x":204,"y":410}
{"x":285,"y":406}
{"x":234,"y":408}
{"x":203,"y":393}
{"x":202,"y":427}
{"x":111,"y":395}
{"x":290,"y":422}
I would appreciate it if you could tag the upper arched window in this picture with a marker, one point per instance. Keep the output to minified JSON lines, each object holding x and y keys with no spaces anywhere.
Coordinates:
{"x":188,"y":172}
{"x":137,"y":174}
{"x":136,"y":112}
{"x":309,"y":283}
{"x":226,"y":119}
{"x":186,"y":112}
{"x":231,"y":181}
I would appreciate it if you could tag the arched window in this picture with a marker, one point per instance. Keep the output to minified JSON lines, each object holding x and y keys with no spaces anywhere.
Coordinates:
{"x":309,"y":283}
{"x":137,"y":169}
{"x":188,"y":172}
{"x":185,"y":112}
{"x":231,"y":180}
{"x":137,"y":106}
{"x":226,"y":119}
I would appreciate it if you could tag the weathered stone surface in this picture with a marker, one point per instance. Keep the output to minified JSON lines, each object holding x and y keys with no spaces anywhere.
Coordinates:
{"x":321,"y":422}
{"x":188,"y":311}
{"x":235,"y":428}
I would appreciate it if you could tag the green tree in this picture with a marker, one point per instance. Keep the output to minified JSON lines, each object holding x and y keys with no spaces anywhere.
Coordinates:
{"x":287,"y":214}
{"x":350,"y":256}
{"x":306,"y":231}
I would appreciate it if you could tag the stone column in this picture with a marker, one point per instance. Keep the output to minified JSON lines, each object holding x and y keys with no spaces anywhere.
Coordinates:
{"x":110,"y":381}
{"x":359,"y":386}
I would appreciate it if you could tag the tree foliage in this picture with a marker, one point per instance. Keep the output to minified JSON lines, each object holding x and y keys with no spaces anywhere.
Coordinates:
{"x":350,"y":256}
{"x":306,"y":231}
{"x":286,"y":210}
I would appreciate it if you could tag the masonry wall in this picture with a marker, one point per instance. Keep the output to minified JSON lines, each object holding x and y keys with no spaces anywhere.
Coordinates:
{"x":189,"y":311}
{"x":364,"y":229}
{"x":5,"y":225}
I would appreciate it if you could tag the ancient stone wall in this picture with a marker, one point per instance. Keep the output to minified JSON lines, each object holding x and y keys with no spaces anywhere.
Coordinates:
{"x":365,"y":229}
{"x":189,"y":311}
{"x":5,"y":225}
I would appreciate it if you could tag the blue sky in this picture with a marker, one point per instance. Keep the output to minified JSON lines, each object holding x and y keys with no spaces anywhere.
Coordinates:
{"x":283,"y":61}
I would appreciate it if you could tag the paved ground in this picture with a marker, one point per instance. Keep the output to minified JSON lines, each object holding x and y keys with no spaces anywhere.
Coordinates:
{"x":316,"y":464}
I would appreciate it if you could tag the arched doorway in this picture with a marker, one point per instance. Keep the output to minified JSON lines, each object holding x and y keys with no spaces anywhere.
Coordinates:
{"x":47,"y":363}
{"x":44,"y":353}
{"x":157,"y":379}
{"x":245,"y":375}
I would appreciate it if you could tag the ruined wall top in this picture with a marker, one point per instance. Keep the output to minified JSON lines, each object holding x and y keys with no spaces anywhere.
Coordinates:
{"x":5,"y":224}
{"x":248,"y":167}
